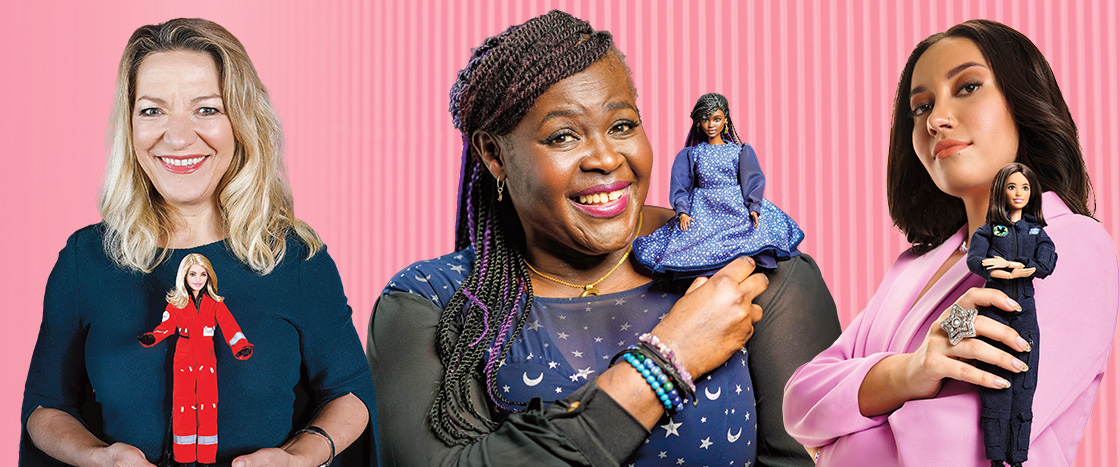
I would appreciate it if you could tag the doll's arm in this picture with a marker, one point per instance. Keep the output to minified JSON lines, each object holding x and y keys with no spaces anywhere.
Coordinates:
{"x":681,"y":181}
{"x":241,"y":347}
{"x":164,"y":330}
{"x":978,"y":252}
{"x":751,"y":179}
{"x":1044,"y":259}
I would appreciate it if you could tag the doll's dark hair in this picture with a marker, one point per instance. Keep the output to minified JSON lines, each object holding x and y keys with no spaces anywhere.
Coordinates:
{"x":502,"y":80}
{"x":1047,"y":136}
{"x":997,"y":200}
{"x":705,"y":106}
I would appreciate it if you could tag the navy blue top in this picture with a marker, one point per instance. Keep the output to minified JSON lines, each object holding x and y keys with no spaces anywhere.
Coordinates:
{"x":1024,"y":242}
{"x":88,"y":363}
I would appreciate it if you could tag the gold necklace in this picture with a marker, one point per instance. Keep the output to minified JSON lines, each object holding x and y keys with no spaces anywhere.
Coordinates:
{"x":589,"y":289}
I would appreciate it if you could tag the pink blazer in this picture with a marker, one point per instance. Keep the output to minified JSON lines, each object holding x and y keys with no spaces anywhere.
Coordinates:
{"x":1077,"y":310}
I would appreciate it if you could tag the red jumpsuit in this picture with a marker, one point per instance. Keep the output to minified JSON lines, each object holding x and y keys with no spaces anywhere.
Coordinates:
{"x":194,"y":396}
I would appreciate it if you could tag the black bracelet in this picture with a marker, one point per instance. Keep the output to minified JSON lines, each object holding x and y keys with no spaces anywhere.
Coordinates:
{"x":321,"y":432}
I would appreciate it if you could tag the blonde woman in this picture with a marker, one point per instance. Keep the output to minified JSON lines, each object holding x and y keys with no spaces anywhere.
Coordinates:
{"x":194,"y":168}
{"x":194,"y":311}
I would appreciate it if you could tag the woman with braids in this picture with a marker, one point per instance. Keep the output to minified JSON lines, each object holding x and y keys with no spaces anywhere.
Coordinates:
{"x":716,"y":189}
{"x":903,"y":385}
{"x":195,"y":169}
{"x":501,"y":353}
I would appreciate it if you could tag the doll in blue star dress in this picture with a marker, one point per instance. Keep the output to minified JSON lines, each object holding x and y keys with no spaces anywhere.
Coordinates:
{"x":716,"y":190}
{"x":1009,"y":252}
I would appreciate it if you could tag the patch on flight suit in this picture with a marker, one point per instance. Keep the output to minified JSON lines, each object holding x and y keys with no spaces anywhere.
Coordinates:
{"x":999,"y":230}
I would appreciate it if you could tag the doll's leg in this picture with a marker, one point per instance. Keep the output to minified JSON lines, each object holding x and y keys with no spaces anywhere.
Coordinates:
{"x":207,"y":414}
{"x":184,"y":428}
{"x":1024,"y":385}
{"x":996,"y":404}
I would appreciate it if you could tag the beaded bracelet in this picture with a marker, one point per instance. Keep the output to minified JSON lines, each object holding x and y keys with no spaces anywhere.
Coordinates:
{"x":652,"y":353}
{"x":668,"y":354}
{"x":657,"y":380}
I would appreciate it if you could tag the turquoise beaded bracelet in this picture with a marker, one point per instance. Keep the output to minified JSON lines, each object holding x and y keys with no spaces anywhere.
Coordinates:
{"x":657,"y":379}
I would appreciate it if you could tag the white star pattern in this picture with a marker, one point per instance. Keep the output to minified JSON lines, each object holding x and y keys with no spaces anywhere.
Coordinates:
{"x":530,"y":357}
{"x":577,"y":353}
{"x":574,"y":378}
{"x":738,"y":389}
{"x":663,"y":315}
{"x":621,"y":343}
{"x":703,"y":419}
{"x":558,"y":391}
{"x":505,"y":388}
{"x":584,"y":373}
{"x":661,"y":455}
{"x":457,"y":268}
{"x":704,"y":443}
{"x":625,"y":326}
{"x":561,"y":335}
{"x":619,"y":301}
{"x":563,"y":317}
{"x":536,"y":324}
{"x":587,"y":309}
{"x":671,"y":428}
{"x":680,"y":460}
{"x":551,"y":365}
{"x":598,"y":339}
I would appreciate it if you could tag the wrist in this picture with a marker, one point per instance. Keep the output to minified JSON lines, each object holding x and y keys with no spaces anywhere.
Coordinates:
{"x":311,"y":446}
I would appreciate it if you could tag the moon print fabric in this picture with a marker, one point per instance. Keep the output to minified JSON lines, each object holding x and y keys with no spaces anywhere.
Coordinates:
{"x":567,"y":342}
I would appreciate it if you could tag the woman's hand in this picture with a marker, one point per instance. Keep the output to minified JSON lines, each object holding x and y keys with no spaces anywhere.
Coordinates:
{"x":715,"y":318}
{"x":918,"y":375}
{"x":997,"y":262}
{"x":685,"y":221}
{"x":272,"y":457}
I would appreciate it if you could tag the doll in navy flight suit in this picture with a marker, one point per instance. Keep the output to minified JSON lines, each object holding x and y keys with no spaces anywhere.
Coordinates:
{"x":1009,"y":252}
{"x":194,"y":310}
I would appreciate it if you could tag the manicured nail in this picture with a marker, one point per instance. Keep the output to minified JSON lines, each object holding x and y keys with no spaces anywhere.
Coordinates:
{"x":1014,"y":304}
{"x":1020,"y":365}
{"x":1023,"y":345}
{"x":1002,"y":383}
{"x":750,"y":260}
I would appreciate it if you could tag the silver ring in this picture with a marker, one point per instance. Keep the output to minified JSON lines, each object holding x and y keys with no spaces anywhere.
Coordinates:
{"x":959,"y":323}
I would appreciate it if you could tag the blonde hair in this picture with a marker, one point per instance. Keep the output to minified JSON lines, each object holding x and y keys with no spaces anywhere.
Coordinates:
{"x":254,"y":199}
{"x":180,"y":295}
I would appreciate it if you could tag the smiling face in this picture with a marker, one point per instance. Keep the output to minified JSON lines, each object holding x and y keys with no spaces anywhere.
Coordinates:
{"x":713,"y":126}
{"x":1018,"y":191}
{"x":578,"y":163}
{"x":181,"y":133}
{"x":963,"y":130}
{"x":197,"y":277}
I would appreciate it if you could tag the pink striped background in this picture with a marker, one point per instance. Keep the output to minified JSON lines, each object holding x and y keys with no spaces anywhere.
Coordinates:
{"x":810,"y":84}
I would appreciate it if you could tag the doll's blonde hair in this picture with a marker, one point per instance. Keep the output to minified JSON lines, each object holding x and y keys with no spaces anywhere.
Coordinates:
{"x":181,"y":295}
{"x":253,"y":196}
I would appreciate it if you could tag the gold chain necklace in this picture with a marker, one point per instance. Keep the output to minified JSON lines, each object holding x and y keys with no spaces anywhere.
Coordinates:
{"x":589,"y":289}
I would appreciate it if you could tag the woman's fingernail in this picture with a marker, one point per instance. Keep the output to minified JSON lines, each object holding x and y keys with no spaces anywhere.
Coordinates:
{"x":750,"y":260}
{"x":1014,"y":304}
{"x":1023,"y":345}
{"x":1020,"y":365}
{"x":1002,"y":383}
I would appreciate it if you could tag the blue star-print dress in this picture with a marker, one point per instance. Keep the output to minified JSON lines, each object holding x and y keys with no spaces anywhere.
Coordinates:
{"x":566,"y":342}
{"x":718,"y":186}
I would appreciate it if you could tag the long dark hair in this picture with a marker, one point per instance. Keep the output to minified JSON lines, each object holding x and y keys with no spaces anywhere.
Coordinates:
{"x":997,"y":200}
{"x":502,"y":80}
{"x":705,"y":106}
{"x":1047,"y":136}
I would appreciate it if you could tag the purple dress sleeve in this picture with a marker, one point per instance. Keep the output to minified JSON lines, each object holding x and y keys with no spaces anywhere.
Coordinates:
{"x":751,"y":179}
{"x":681,"y":181}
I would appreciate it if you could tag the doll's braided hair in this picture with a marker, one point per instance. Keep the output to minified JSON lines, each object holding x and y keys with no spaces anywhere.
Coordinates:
{"x":705,"y":106}
{"x":502,"y":80}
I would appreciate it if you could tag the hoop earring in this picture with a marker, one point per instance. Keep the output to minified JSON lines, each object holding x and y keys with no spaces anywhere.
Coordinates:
{"x":501,"y":186}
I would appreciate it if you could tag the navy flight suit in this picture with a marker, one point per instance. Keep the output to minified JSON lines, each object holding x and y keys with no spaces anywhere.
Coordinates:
{"x":1006,"y":415}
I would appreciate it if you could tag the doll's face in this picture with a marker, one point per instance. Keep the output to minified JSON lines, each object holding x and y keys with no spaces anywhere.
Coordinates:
{"x":1018,"y":191}
{"x":180,"y":130}
{"x":714,"y":124}
{"x":578,"y":164}
{"x":963,"y":129}
{"x":197,"y":277}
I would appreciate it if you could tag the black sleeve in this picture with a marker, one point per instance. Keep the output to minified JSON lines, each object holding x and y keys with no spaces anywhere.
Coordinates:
{"x":798,"y":321}
{"x":406,"y":372}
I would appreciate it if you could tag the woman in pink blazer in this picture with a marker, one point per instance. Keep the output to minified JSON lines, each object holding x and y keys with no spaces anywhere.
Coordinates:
{"x":893,"y":390}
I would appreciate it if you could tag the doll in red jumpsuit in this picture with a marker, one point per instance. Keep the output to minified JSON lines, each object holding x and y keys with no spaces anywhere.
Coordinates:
{"x":194,"y":310}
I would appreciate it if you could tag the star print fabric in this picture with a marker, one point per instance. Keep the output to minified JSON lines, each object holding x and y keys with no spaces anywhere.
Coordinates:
{"x":715,"y":185}
{"x":566,"y":342}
